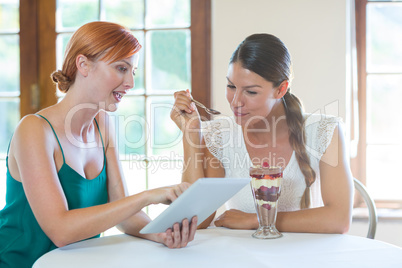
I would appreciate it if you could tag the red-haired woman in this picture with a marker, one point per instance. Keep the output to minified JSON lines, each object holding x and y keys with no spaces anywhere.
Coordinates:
{"x":64,"y":179}
{"x":269,"y":125}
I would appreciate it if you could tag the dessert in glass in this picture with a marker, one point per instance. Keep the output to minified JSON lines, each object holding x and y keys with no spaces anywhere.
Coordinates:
{"x":266,"y":188}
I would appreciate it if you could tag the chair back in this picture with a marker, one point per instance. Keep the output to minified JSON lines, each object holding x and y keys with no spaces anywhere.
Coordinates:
{"x":373,"y":218}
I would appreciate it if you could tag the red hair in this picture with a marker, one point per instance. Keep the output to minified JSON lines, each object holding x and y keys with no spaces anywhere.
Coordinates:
{"x":98,"y":40}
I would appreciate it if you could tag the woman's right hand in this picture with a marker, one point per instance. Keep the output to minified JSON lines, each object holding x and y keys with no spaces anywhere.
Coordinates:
{"x":184,"y":112}
{"x":168,"y":194}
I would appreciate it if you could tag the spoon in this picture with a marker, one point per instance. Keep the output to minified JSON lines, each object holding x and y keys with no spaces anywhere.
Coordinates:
{"x":208,"y":110}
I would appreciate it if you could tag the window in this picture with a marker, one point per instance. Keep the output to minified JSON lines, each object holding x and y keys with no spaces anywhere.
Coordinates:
{"x":149,"y":143}
{"x":176,"y":42}
{"x":9,"y":80}
{"x":379,"y":39}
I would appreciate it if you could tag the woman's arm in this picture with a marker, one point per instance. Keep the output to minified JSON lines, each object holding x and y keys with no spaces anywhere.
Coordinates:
{"x":337,"y":194}
{"x":33,"y":153}
{"x":198,"y":161}
{"x":212,"y":168}
{"x":185,"y":115}
{"x":135,"y":222}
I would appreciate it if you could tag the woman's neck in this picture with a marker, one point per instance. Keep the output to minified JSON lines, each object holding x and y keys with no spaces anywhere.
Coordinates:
{"x":267,"y":130}
{"x":77,"y":115}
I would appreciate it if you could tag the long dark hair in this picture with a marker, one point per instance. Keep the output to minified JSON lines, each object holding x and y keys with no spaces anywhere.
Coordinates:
{"x":267,"y":56}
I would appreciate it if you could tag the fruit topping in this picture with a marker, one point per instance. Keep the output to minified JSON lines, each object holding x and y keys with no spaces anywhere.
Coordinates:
{"x":274,"y":176}
{"x":267,"y":206}
{"x":258,"y":177}
{"x":267,"y":194}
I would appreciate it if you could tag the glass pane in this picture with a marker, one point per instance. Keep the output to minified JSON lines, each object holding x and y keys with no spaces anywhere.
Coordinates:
{"x":71,"y":14}
{"x":168,"y":60}
{"x":10,"y":116}
{"x":129,"y":13}
{"x":162,"y":173}
{"x":167,"y":13}
{"x":131,"y":125}
{"x":139,"y":87}
{"x":166,"y":138}
{"x":382,"y":171}
{"x":9,"y":16}
{"x":2,"y":183}
{"x":61,"y":43}
{"x":9,"y":64}
{"x":134,"y":173}
{"x":384,"y":93}
{"x":384,"y":37}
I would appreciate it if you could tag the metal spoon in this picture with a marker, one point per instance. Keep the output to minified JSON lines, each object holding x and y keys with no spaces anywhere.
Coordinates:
{"x":208,"y":110}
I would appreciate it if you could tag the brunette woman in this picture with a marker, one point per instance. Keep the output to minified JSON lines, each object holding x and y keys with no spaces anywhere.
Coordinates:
{"x":269,"y":125}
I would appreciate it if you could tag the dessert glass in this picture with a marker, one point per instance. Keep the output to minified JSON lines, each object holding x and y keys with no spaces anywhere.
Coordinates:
{"x":266,"y":188}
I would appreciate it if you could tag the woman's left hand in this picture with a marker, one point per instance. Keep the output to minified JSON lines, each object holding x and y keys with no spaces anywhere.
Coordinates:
{"x":236,"y":219}
{"x":178,"y":238}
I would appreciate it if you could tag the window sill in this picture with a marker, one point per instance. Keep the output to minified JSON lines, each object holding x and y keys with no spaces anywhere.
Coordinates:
{"x":384,"y":214}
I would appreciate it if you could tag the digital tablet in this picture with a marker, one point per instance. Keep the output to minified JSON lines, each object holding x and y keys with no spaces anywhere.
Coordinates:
{"x":201,"y":199}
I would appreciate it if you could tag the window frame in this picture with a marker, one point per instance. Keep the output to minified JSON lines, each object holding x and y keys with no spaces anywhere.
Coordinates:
{"x":37,"y":35}
{"x":38,"y":53}
{"x":359,"y":164}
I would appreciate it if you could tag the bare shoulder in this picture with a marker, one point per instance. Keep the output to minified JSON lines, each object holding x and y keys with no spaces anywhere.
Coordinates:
{"x":31,"y":141}
{"x":32,"y":132}
{"x":31,"y":127}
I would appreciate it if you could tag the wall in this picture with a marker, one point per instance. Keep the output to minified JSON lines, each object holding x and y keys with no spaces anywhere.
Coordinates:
{"x":317,"y":35}
{"x":315,"y":32}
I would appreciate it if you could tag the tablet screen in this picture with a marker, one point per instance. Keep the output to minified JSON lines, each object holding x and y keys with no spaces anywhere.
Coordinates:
{"x":201,"y":199}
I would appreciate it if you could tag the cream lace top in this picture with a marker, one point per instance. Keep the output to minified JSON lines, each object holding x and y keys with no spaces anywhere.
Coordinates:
{"x":224,"y":139}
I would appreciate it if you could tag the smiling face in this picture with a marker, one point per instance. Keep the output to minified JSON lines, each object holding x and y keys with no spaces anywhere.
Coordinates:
{"x":251,"y":97}
{"x":111,"y":81}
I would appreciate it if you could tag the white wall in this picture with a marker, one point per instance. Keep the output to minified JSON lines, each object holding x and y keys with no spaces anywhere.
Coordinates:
{"x":317,"y":34}
{"x":314,"y":31}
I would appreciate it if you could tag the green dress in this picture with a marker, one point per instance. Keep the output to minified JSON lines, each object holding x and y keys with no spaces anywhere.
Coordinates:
{"x":22,"y":241}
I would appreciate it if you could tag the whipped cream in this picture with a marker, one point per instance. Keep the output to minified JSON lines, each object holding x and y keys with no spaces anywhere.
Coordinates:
{"x":262,"y":202}
{"x":257,"y":183}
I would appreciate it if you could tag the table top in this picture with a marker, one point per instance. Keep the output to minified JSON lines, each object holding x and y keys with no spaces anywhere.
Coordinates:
{"x":221,"y":247}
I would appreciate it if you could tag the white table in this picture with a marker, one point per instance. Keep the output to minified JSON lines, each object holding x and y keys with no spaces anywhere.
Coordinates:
{"x":220,"y":247}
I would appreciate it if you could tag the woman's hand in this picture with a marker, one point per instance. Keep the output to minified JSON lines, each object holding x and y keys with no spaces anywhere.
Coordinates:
{"x":236,"y":219}
{"x":168,"y":194}
{"x":178,"y":238}
{"x":184,"y":112}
